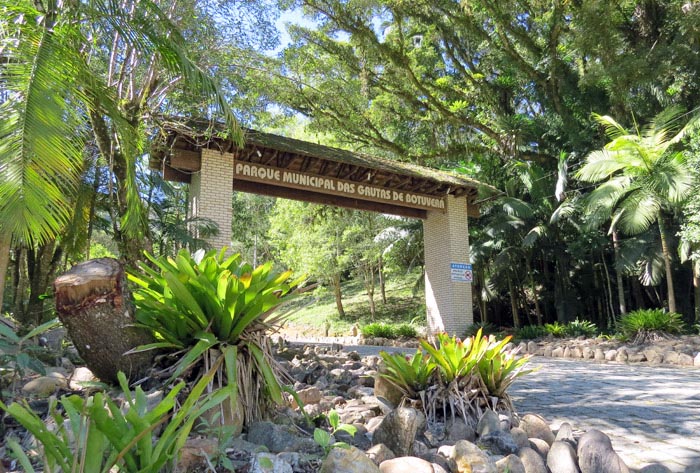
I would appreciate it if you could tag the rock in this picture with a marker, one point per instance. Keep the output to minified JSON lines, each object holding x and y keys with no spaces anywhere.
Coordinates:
{"x":488,"y":423}
{"x":387,"y":390}
{"x":195,"y":452}
{"x":459,"y":430}
{"x":540,"y":446}
{"x":548,"y":350}
{"x":510,"y":464}
{"x":44,"y":386}
{"x":671,"y":357}
{"x":621,"y":355}
{"x":532,"y":461}
{"x":696,"y":360}
{"x":685,"y":360}
{"x":499,"y":442}
{"x":587,"y":353}
{"x":465,"y":457}
{"x":81,"y":377}
{"x":520,"y":437}
{"x":380,"y":453}
{"x":610,"y":355}
{"x":405,"y":464}
{"x":598,"y":354}
{"x":536,"y":427}
{"x":596,"y":454}
{"x":279,"y":438}
{"x":398,"y":430}
{"x":562,"y":458}
{"x":558,"y":352}
{"x":532,"y":347}
{"x":264,"y":462}
{"x":348,"y":460}
{"x":656,"y":468}
{"x":373,"y":423}
{"x":565,"y":434}
{"x":567,"y":352}
{"x":576,"y":353}
{"x":435,"y":434}
{"x":421,"y":450}
{"x":310,"y":395}
{"x":636,"y":358}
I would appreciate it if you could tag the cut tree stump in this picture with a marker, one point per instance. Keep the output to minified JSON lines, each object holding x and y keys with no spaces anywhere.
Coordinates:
{"x":94,"y":304}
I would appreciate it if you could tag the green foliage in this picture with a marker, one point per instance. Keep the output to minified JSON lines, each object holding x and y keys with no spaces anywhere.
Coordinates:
{"x":378,"y":329}
{"x":17,"y":354}
{"x":647,"y":325}
{"x":577,"y":328}
{"x":96,"y":435}
{"x":556,"y":329}
{"x":530,"y":332}
{"x":406,"y":331}
{"x":325,"y":439}
{"x":455,"y":374}
{"x":453,"y":357}
{"x":212,"y":306}
{"x":410,"y":374}
{"x":499,"y":367}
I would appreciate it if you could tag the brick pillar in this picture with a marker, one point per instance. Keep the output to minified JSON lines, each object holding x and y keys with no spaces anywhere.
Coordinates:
{"x":211,"y":194}
{"x":446,"y":238}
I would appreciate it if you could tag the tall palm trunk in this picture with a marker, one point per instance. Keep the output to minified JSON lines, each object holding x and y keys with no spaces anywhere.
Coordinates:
{"x":667,"y":264}
{"x":513,"y":303}
{"x":696,"y":289}
{"x":618,"y":274}
{"x":5,"y":241}
{"x":338,"y":295}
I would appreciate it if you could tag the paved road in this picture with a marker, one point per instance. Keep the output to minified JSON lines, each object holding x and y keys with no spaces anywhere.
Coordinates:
{"x":652,"y":414}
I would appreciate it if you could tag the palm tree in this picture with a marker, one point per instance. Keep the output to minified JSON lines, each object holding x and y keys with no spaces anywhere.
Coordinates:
{"x":55,"y":96}
{"x":643,"y":178}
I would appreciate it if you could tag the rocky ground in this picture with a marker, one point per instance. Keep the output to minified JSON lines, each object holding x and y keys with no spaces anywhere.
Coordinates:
{"x":388,"y":439}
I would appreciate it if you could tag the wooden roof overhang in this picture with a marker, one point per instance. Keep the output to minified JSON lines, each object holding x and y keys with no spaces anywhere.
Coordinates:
{"x":283,"y":167}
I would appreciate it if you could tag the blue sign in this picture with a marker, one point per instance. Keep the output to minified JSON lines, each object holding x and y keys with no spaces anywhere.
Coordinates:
{"x":461,"y":272}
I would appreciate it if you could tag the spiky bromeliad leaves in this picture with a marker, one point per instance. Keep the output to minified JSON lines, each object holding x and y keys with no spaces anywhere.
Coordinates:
{"x":457,"y":377}
{"x":208,"y":306}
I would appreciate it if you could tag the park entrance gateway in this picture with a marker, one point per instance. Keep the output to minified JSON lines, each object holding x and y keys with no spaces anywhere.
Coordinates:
{"x":283,"y":167}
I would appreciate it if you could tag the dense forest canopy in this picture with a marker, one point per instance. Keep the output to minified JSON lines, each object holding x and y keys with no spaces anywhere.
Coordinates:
{"x":505,"y":92}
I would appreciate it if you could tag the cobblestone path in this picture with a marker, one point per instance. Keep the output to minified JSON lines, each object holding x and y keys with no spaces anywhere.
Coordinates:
{"x":652,"y":414}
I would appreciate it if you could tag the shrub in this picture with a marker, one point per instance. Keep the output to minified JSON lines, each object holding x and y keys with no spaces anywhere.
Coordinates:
{"x":19,"y":354}
{"x":211,"y":307}
{"x":486,"y":328}
{"x":650,"y":324}
{"x":406,"y":331}
{"x":530,"y":332}
{"x":579,"y":328}
{"x":556,"y":329}
{"x":378,"y":329}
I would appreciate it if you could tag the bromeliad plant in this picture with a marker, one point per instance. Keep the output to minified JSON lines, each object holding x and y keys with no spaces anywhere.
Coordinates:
{"x":208,"y":307}
{"x":95,"y":435}
{"x":411,"y":374}
{"x":454,"y":376}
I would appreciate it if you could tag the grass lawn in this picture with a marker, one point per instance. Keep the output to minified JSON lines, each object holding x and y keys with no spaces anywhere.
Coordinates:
{"x":318,"y":310}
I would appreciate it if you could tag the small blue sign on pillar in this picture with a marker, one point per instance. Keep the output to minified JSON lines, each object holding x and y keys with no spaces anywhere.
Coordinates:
{"x":461,"y":272}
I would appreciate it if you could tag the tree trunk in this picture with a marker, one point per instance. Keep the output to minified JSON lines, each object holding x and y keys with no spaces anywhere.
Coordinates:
{"x":667,"y":264}
{"x":696,"y":289}
{"x":94,"y":304}
{"x":618,"y":274}
{"x":535,"y":294}
{"x":5,"y":242}
{"x":382,"y":279}
{"x":369,"y":288}
{"x":513,"y":303}
{"x":338,"y":295}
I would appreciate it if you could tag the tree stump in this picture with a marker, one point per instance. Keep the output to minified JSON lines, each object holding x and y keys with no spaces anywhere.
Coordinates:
{"x":94,"y":304}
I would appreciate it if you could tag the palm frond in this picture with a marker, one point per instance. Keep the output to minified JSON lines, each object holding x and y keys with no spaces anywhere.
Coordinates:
{"x":600,"y":165}
{"x":40,"y":138}
{"x":641,"y":209}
